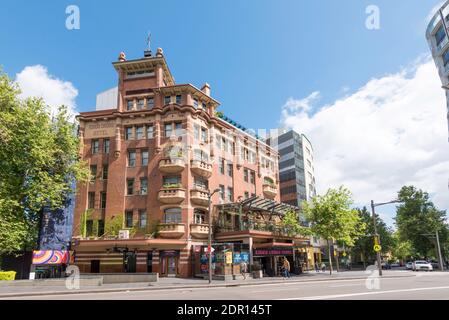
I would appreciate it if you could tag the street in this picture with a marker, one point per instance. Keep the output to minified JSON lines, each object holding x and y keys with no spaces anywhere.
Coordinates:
{"x":418,"y":286}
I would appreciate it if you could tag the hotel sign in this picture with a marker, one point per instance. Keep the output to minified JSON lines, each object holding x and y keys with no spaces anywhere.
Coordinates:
{"x":273,"y":252}
{"x":100,"y":129}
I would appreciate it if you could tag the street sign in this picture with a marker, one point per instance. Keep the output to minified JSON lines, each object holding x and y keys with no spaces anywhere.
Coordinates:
{"x":377,"y":248}
{"x":206,"y":250}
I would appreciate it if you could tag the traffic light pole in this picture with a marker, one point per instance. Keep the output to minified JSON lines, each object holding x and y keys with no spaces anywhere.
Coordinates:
{"x":379,"y":262}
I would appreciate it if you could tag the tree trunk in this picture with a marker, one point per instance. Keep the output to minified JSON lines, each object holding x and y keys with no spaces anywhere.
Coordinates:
{"x":330,"y":257}
{"x":364,"y":263}
{"x":336,"y":260}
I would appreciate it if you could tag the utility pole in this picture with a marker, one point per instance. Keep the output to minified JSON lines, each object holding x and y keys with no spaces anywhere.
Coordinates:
{"x":440,"y":259}
{"x":438,"y":247}
{"x":379,"y":262}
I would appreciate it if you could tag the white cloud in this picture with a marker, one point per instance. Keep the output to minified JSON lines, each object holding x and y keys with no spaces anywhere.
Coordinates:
{"x":35,"y":81}
{"x":391,"y":132}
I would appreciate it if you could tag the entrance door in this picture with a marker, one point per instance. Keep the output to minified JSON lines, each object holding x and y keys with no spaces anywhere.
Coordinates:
{"x":169,"y":266}
{"x":129,"y":262}
{"x":172,"y":264}
{"x":95,"y":266}
{"x":150,"y":262}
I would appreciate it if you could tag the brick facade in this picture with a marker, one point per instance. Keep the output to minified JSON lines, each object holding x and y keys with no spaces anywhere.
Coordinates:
{"x":199,"y":141}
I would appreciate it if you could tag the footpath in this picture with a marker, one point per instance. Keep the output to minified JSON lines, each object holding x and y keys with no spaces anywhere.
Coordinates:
{"x":177,"y":283}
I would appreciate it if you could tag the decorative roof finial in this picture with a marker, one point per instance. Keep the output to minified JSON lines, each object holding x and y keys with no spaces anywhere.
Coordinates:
{"x":122,"y":56}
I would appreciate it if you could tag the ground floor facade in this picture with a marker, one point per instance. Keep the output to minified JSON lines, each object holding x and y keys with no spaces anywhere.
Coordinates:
{"x":188,"y":259}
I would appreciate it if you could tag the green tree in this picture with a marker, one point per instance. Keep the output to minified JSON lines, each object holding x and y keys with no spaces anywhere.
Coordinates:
{"x":333,"y":219}
{"x":39,"y":162}
{"x":290,"y":221}
{"x":364,"y":245}
{"x":418,"y":217}
{"x":402,"y":250}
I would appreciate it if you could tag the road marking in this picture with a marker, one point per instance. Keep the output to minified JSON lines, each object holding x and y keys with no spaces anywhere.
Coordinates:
{"x":365,"y":293}
{"x":345,"y":285}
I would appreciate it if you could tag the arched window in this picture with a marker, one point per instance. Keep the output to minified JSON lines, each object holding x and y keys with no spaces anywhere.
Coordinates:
{"x":172,"y":215}
{"x":199,"y":216}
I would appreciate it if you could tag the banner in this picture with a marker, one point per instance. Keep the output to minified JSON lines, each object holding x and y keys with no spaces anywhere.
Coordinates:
{"x":50,"y":257}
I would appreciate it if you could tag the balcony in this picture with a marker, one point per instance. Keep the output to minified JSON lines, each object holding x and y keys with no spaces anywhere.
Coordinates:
{"x":201,"y":168}
{"x":172,"y":165}
{"x":172,"y":195}
{"x":199,"y":231}
{"x":199,"y":197}
{"x":270,"y":191}
{"x":172,"y":230}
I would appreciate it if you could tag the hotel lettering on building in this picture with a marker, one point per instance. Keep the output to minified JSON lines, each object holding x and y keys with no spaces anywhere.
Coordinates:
{"x":153,"y":156}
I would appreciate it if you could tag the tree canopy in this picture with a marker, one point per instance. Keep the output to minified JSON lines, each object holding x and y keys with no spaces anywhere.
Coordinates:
{"x":332,"y":217}
{"x":365,"y":244}
{"x":418,"y":219}
{"x":38,"y":163}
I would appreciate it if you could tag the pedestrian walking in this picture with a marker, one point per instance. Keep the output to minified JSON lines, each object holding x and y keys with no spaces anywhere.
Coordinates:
{"x":323,"y":267}
{"x":317,"y":267}
{"x":244,"y":269}
{"x":286,"y":268}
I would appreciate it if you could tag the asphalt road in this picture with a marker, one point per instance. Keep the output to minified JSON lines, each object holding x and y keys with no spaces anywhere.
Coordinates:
{"x":422,"y":286}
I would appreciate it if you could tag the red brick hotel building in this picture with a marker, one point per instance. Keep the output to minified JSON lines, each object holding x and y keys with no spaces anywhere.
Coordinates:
{"x":153,"y":159}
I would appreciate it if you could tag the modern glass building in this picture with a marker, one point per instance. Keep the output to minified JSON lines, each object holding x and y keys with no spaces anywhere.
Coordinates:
{"x":296,"y":168}
{"x":437,"y":35}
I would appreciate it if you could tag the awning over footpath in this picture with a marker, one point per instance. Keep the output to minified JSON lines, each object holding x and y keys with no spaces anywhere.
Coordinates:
{"x":260,"y":204}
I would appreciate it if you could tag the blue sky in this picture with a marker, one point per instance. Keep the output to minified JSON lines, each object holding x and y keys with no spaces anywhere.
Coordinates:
{"x":256,"y":54}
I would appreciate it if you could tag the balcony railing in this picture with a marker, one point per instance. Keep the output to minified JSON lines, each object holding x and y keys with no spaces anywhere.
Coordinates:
{"x":201,"y":168}
{"x":172,"y":230}
{"x":199,"y":231}
{"x":199,"y":197}
{"x":172,"y":165}
{"x":270,"y":191}
{"x":172,"y":195}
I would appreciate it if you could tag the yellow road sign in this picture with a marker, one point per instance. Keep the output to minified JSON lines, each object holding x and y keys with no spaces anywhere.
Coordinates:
{"x":377,"y":248}
{"x":344,"y":254}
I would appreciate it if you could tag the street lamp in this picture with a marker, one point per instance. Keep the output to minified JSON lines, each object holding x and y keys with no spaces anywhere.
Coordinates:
{"x":376,"y":235}
{"x":209,"y":247}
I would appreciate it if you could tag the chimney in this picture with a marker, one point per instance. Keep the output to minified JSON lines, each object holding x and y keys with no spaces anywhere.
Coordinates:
{"x":206,"y":89}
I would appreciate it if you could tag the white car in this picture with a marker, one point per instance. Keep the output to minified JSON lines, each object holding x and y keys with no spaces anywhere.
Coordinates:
{"x":422,"y":265}
{"x":409,"y":266}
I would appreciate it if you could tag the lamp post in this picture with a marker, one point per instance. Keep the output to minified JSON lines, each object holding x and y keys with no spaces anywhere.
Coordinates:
{"x":209,"y":246}
{"x":376,"y":235}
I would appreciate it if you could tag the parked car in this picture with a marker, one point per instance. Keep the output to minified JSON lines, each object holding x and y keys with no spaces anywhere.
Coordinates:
{"x":409,"y":266}
{"x":395,"y":265}
{"x":422,"y":265}
{"x":385,"y":265}
{"x":435,"y":265}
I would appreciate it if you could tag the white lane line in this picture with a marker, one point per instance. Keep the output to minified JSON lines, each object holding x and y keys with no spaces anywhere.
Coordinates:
{"x":346,"y":285}
{"x":365,"y":293}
